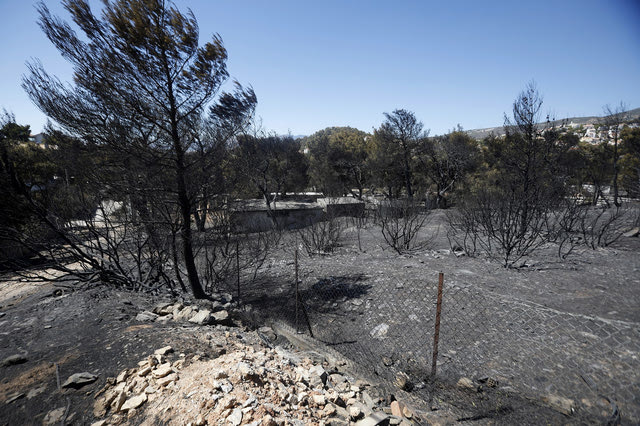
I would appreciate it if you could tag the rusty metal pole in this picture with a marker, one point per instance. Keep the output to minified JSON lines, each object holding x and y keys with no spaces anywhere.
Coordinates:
{"x":436,"y":335}
{"x":297,"y":289}
{"x":238,"y":269}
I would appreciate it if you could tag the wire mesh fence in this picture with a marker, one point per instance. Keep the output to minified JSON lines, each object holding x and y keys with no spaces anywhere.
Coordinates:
{"x":582,"y":366}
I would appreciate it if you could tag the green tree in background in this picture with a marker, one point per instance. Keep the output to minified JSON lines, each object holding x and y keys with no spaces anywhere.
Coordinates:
{"x":630,"y":161}
{"x":447,"y":160}
{"x":269,"y":167}
{"x":395,"y":144}
{"x":338,"y":159}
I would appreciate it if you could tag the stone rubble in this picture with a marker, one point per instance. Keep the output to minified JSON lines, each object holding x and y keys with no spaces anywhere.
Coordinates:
{"x":211,"y":313}
{"x":247,"y":384}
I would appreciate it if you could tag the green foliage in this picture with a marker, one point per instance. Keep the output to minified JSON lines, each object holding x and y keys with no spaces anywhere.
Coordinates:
{"x":269,"y":166}
{"x":394,"y":145}
{"x":338,"y":160}
{"x":447,"y":161}
{"x":630,"y":161}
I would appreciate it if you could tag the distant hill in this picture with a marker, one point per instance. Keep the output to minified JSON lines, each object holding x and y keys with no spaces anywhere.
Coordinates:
{"x":631,"y":115}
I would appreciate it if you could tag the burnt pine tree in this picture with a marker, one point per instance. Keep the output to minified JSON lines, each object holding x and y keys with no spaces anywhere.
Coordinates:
{"x":142,"y":85}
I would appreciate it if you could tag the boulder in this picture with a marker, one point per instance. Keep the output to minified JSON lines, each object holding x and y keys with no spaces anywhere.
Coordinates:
{"x":163,"y":308}
{"x":164,"y":381}
{"x":185,"y":313}
{"x":203,"y":317}
{"x":146,"y":316}
{"x":54,"y":416}
{"x":162,"y":370}
{"x":14,"y":397}
{"x":134,"y":402}
{"x":163,"y":351}
{"x":396,"y":409}
{"x":376,"y":419}
{"x":78,"y":380}
{"x":221,"y":317}
{"x":13,"y":360}
{"x":632,"y":233}
{"x":268,"y":333}
{"x":235,"y":418}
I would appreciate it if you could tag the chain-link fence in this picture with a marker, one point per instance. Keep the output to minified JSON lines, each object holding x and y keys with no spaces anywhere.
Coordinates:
{"x":582,"y":366}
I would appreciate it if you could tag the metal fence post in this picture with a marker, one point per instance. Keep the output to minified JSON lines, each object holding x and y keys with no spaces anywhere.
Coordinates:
{"x":297,"y":290}
{"x":436,"y":335}
{"x":238,"y":269}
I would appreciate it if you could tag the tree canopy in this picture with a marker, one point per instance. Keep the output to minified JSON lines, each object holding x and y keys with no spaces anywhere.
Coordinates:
{"x":144,"y":87}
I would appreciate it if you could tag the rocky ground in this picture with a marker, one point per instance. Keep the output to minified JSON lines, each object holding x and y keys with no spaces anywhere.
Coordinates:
{"x":97,"y":355}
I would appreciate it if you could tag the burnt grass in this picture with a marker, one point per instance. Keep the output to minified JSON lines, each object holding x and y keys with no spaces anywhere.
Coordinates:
{"x":559,"y":333}
{"x":92,"y":330}
{"x":534,"y":330}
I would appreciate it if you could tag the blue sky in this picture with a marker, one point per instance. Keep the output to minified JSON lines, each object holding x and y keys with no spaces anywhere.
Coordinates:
{"x":315,"y":64}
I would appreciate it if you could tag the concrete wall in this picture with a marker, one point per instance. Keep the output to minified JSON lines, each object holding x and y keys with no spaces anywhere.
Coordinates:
{"x":259,"y":220}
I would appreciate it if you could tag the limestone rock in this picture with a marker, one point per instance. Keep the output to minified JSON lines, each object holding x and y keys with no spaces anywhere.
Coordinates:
{"x":318,"y":373}
{"x":14,"y":397}
{"x":245,"y":370}
{"x":146,"y":316}
{"x":376,"y":419}
{"x":379,"y":331}
{"x":221,"y":317}
{"x":162,"y":370}
{"x":564,"y":405}
{"x":235,"y":418}
{"x":54,"y":416}
{"x":403,"y":381}
{"x":355,"y":412}
{"x":396,"y":410}
{"x":134,"y":402}
{"x":78,"y":380}
{"x":163,"y":351}
{"x":123,"y":376}
{"x":119,"y":400}
{"x":203,"y":317}
{"x":144,"y":371}
{"x":268,"y":333}
{"x":164,"y":319}
{"x":186,"y":313}
{"x":163,"y":308}
{"x":319,"y":399}
{"x":36,"y":391}
{"x":13,"y":360}
{"x":465,"y":383}
{"x":632,"y":233}
{"x":164,"y":381}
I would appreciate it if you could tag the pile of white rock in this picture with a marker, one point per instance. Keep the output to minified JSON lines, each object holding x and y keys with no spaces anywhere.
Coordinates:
{"x":205,"y":313}
{"x":249,"y":384}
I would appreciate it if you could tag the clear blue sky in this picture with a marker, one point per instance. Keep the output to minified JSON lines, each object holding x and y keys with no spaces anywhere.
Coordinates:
{"x":315,"y":64}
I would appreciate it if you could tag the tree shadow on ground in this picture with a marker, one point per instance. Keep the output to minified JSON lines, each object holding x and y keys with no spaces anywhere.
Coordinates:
{"x":272,"y":298}
{"x":326,"y":294}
